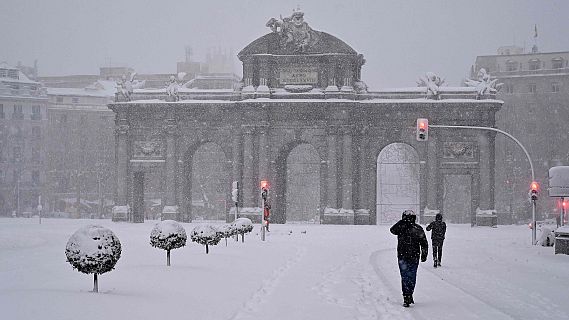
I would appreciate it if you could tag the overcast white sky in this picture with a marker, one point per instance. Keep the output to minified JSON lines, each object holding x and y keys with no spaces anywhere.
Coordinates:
{"x":400,"y":40}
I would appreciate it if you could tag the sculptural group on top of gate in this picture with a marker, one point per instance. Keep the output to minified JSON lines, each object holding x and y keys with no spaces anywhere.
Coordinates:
{"x":296,"y":35}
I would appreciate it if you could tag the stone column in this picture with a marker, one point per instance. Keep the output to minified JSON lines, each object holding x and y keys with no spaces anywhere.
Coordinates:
{"x":347,"y":179}
{"x":433,"y":174}
{"x":263,"y":153}
{"x":332,"y":168}
{"x":248,"y":173}
{"x":486,"y":184}
{"x":170,"y":210}
{"x":236,"y":163}
{"x":120,"y":210}
{"x":332,"y":85}
{"x":363,"y":184}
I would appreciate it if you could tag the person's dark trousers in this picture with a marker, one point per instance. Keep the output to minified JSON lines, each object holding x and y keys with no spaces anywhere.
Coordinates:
{"x":437,"y":250}
{"x":408,"y":271}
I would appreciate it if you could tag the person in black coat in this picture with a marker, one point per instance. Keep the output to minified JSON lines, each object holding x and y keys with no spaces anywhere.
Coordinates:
{"x":412,"y":245}
{"x":439,"y":228}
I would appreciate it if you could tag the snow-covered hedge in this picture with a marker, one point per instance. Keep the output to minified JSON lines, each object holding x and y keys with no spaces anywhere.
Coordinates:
{"x":242,"y":226}
{"x":168,"y":235}
{"x":93,"y":249}
{"x":205,"y":234}
{"x":226,"y":231}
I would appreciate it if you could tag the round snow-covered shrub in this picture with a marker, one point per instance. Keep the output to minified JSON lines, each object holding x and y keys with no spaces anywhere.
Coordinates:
{"x":168,"y":235}
{"x":242,"y":226}
{"x":206,"y":235}
{"x":226,"y":231}
{"x":93,"y":249}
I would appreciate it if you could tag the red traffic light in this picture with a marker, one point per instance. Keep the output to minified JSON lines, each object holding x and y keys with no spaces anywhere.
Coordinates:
{"x":534,"y":187}
{"x":422,"y":129}
{"x":264,"y":184}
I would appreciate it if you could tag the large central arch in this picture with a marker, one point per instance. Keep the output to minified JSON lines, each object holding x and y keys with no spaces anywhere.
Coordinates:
{"x":298,"y":183}
{"x":397,"y":182}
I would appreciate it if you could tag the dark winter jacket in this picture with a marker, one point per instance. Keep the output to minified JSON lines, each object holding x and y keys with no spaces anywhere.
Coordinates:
{"x":411,"y":241}
{"x":439,"y":228}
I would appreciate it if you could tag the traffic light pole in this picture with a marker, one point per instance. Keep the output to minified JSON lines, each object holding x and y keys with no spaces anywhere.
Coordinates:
{"x":263,"y":219}
{"x":533,"y":202}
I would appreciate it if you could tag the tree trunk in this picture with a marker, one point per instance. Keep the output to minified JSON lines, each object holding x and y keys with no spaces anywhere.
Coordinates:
{"x":168,"y":258}
{"x":226,"y":242}
{"x":242,"y":237}
{"x":206,"y":249}
{"x":95,"y":284}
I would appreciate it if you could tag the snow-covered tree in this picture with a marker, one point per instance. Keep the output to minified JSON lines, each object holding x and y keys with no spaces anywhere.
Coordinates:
{"x":93,"y":249}
{"x":206,"y":235}
{"x":226,"y":231}
{"x":168,"y":235}
{"x":242,"y":226}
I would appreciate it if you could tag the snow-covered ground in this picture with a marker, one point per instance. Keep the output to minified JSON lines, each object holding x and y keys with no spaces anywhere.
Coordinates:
{"x":299,"y":272}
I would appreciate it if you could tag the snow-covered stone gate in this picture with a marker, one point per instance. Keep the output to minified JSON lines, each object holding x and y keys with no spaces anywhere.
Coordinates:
{"x":303,"y":87}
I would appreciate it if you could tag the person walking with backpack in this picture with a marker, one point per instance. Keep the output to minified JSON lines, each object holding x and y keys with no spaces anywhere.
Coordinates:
{"x":412,"y":245}
{"x":439,"y":228}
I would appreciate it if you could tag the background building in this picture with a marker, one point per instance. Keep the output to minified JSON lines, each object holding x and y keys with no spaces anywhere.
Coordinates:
{"x":23,"y":119}
{"x":80,"y":153}
{"x":535,"y":92}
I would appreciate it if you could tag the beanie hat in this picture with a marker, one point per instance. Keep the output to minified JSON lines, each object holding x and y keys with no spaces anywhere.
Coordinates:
{"x":408,"y":213}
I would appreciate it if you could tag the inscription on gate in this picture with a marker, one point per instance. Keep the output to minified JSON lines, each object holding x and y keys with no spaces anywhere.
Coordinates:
{"x":298,"y":75}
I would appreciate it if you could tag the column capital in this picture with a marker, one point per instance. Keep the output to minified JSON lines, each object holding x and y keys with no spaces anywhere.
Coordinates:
{"x":122,"y":127}
{"x":170,"y":127}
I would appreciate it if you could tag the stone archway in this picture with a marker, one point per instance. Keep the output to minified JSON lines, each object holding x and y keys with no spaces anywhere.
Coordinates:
{"x":207,"y":182}
{"x":397,"y":182}
{"x":298,"y":185}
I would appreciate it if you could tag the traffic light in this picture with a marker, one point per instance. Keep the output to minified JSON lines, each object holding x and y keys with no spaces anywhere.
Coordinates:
{"x":422,"y":129}
{"x":264,"y":189}
{"x":534,"y":189}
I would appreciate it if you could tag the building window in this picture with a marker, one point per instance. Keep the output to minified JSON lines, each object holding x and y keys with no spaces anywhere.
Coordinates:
{"x":36,"y":132}
{"x":58,"y":99}
{"x":557,"y":63}
{"x":36,"y":115}
{"x":74,"y":100}
{"x":35,"y":177}
{"x":63,"y":119}
{"x":534,"y":64}
{"x":555,"y":86}
{"x":1,"y":111}
{"x":18,"y":113}
{"x":531,"y":128}
{"x":13,"y":74}
{"x":532,"y":88}
{"x":509,"y":88}
{"x":3,"y":73}
{"x":511,"y":66}
{"x":17,"y":152}
{"x":35,"y":155}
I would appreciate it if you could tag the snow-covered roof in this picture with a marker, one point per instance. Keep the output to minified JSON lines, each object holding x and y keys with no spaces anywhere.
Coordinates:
{"x":100,"y":88}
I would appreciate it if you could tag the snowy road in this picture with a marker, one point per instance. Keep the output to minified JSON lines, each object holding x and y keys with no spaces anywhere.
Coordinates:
{"x":300,"y":272}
